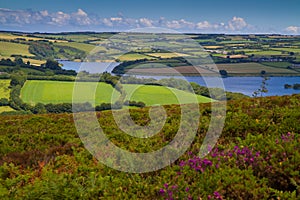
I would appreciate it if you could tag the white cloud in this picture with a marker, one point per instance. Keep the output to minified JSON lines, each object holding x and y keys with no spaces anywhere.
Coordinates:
{"x":180,"y":24}
{"x":293,"y":29}
{"x":203,"y":25}
{"x":79,"y":18}
{"x":60,"y":18}
{"x":237,"y":24}
{"x":145,"y":22}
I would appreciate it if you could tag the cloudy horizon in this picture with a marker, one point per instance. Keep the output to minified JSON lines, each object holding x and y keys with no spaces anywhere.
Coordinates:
{"x":85,"y":19}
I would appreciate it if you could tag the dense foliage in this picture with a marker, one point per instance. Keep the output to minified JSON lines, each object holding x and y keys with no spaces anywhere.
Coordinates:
{"x":257,"y":156}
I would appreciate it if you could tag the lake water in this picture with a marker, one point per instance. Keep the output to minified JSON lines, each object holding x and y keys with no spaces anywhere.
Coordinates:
{"x":245,"y":85}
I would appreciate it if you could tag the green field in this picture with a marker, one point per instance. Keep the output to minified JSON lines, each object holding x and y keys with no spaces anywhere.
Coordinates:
{"x":61,"y":92}
{"x":8,"y":49}
{"x":266,"y":53}
{"x":295,"y":50}
{"x":152,"y":95}
{"x":4,"y":93}
{"x":4,"y":90}
{"x":133,"y":56}
{"x":167,"y":55}
{"x":253,"y":68}
{"x":5,"y":109}
{"x":81,"y":46}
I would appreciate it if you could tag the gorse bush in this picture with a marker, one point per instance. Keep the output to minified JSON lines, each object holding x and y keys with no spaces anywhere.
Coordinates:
{"x":256,"y":157}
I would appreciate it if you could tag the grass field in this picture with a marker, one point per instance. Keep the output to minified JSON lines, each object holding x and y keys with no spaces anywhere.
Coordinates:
{"x":152,"y":95}
{"x":295,"y":50}
{"x":81,"y":46}
{"x":8,"y":49}
{"x":277,"y":64}
{"x":8,"y":36}
{"x":4,"y":93}
{"x":267,"y":53}
{"x":171,"y":71}
{"x":5,"y":109}
{"x":167,"y":55}
{"x":61,"y":92}
{"x":252,"y":68}
{"x":133,"y":56}
{"x":4,"y":90}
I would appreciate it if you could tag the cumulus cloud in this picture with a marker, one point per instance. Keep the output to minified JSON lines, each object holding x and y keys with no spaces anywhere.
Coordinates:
{"x":293,"y":29}
{"x":145,"y":22}
{"x":237,"y":24}
{"x":59,"y":18}
{"x":80,"y":18}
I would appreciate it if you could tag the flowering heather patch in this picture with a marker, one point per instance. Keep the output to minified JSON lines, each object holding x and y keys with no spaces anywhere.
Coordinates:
{"x":196,"y":171}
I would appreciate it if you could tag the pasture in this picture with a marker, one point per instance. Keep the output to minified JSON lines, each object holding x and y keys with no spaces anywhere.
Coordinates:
{"x":8,"y":49}
{"x":61,"y":92}
{"x":266,"y":53}
{"x":252,"y":68}
{"x":4,"y":90}
{"x":8,"y":36}
{"x":133,"y":56}
{"x":5,"y":109}
{"x":81,"y":46}
{"x":152,"y":95}
{"x":167,"y":55}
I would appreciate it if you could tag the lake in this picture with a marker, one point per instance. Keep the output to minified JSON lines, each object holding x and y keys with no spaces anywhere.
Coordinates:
{"x":245,"y":85}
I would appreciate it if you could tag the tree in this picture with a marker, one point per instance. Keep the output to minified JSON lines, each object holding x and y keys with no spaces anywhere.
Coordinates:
{"x":263,"y":88}
{"x":39,"y":108}
{"x":19,"y":61}
{"x":18,"y":79}
{"x":223,"y":73}
{"x":4,"y":102}
{"x":52,"y":64}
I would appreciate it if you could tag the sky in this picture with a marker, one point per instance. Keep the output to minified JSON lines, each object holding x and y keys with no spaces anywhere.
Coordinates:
{"x":196,"y":16}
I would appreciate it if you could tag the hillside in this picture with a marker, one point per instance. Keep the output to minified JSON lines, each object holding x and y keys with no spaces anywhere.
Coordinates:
{"x":256,"y":157}
{"x":61,"y":92}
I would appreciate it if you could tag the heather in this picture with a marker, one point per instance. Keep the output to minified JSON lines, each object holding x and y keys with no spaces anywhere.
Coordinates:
{"x":256,"y":157}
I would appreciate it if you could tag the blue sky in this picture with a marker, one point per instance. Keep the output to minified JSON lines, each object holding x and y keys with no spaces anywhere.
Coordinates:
{"x":217,"y":16}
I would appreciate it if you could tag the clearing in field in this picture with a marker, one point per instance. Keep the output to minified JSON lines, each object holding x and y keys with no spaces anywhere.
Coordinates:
{"x":8,"y":49}
{"x":61,"y":92}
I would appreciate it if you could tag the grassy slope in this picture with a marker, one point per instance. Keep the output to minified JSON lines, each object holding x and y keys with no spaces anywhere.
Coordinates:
{"x":4,"y":90}
{"x":161,"y":95}
{"x":60,"y":92}
{"x":81,"y":46}
{"x":8,"y":49}
{"x":252,"y":68}
{"x":4,"y":93}
{"x":5,"y":109}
